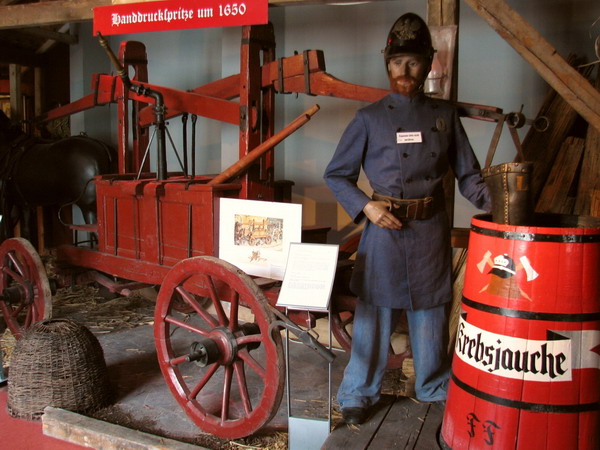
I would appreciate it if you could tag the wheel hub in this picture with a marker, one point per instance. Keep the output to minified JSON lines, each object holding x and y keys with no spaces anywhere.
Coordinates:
{"x":221,"y":345}
{"x":225,"y":340}
{"x":19,"y":293}
{"x":204,"y":352}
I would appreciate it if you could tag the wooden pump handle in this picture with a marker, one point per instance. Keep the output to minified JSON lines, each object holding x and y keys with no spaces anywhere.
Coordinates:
{"x":259,"y":150}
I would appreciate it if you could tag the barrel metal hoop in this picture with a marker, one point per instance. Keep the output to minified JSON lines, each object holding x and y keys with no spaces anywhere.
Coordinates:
{"x":527,"y":406}
{"x":531,"y":315}
{"x":538,"y":237}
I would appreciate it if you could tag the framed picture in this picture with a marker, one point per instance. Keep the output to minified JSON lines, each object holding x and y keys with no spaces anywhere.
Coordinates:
{"x":255,"y":235}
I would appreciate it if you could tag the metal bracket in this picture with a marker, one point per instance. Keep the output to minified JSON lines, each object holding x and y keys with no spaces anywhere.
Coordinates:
{"x":244,"y":125}
{"x":304,"y":336}
{"x":3,"y":376}
{"x":280,"y":76}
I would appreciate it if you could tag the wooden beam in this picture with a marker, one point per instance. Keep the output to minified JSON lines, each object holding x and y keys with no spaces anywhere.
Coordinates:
{"x":88,"y":432}
{"x":555,"y":196}
{"x":50,"y":43}
{"x":63,"y":38}
{"x":442,"y":12}
{"x":67,"y":11}
{"x":573,"y":87}
{"x":48,"y":13}
{"x":316,"y":2}
{"x":284,"y":2}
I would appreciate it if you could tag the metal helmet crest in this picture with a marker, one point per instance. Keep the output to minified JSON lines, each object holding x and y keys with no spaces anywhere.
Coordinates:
{"x":409,"y":34}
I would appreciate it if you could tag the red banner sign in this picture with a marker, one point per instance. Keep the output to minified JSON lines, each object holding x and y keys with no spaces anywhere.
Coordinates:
{"x":178,"y":15}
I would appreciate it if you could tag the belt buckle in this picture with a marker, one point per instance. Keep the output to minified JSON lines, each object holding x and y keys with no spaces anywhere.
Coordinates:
{"x":412,"y":210}
{"x":399,"y":209}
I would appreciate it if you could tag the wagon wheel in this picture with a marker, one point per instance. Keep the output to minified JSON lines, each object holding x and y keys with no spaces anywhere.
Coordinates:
{"x":216,"y":351}
{"x":349,"y":246}
{"x":341,"y":327}
{"x":25,"y":294}
{"x":180,"y":305}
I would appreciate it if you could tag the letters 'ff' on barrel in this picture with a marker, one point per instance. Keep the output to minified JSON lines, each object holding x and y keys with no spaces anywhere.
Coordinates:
{"x":526,"y":365}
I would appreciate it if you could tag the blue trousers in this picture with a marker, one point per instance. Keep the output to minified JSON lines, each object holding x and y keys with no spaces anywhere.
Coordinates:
{"x":373,"y":327}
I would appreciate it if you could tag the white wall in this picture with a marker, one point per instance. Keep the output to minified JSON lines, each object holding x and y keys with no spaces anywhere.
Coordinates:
{"x":490,"y":73}
{"x":85,"y":60}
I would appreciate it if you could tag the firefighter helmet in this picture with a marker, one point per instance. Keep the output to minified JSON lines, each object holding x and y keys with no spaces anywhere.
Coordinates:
{"x":409,"y":34}
{"x":504,"y":266}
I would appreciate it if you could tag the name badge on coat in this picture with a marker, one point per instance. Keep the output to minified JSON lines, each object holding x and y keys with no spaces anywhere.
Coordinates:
{"x":409,"y":137}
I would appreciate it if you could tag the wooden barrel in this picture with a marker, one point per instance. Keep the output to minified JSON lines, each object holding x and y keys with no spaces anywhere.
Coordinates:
{"x":526,"y":364}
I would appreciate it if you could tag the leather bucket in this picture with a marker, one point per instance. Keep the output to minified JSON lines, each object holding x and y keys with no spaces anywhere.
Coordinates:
{"x":509,"y":186}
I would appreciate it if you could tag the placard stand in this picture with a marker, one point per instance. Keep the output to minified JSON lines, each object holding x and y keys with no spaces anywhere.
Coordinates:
{"x":303,"y":432}
{"x":307,"y":286}
{"x":3,"y":377}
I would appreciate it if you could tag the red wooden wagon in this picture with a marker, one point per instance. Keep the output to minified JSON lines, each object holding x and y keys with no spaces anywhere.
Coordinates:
{"x":162,"y":229}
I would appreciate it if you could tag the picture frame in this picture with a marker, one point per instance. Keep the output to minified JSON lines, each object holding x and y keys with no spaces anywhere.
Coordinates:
{"x":255,"y":235}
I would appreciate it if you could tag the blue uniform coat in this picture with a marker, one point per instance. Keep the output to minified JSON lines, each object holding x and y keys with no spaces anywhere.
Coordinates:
{"x":408,"y":268}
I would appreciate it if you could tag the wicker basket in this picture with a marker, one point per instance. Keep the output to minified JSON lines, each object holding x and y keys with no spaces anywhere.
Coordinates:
{"x":58,"y":363}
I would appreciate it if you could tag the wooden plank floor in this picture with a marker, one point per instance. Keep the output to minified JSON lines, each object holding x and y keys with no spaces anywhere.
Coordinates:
{"x":397,"y":422}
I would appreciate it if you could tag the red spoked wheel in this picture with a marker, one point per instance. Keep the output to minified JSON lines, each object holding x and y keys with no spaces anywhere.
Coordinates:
{"x":223,"y":364}
{"x":25,"y":294}
{"x":342,"y":320}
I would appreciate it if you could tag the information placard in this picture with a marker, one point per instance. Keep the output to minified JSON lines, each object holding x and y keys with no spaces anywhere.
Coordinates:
{"x":309,"y":276}
{"x":178,"y":15}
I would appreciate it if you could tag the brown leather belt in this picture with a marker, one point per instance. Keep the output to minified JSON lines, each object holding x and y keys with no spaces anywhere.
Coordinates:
{"x":408,"y":208}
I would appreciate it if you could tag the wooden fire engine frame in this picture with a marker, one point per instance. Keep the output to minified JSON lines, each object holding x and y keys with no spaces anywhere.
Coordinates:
{"x":165,"y":231}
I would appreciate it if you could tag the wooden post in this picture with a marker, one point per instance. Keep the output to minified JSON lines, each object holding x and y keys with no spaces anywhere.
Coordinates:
{"x":569,"y":83}
{"x":133,"y":139}
{"x":38,"y":91}
{"x":257,"y":110}
{"x":16,"y":100}
{"x":442,"y":13}
{"x":16,"y":107}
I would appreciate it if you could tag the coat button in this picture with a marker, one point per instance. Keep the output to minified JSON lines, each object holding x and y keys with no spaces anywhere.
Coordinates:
{"x":408,"y":180}
{"x":433,"y":154}
{"x":405,"y":155}
{"x":427,"y":178}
